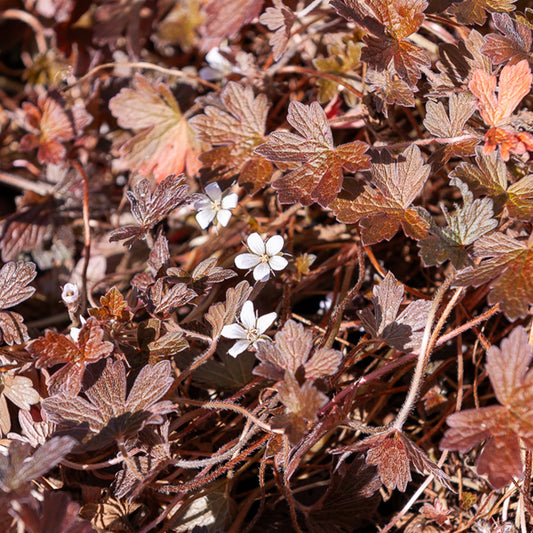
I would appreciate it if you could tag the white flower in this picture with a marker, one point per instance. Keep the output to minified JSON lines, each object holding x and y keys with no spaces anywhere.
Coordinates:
{"x":264,"y":257}
{"x":213,"y":204}
{"x":249,"y":331}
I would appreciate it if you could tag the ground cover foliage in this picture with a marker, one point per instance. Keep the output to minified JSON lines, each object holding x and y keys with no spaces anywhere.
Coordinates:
{"x":266,"y":266}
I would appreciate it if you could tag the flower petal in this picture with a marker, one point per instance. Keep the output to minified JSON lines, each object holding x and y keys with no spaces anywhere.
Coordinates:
{"x":274,"y":245}
{"x":223,"y":217}
{"x":213,"y":191}
{"x":246,"y":261}
{"x":203,"y":202}
{"x":238,"y":347}
{"x":205,"y":217}
{"x":256,"y":244}
{"x":277,"y":262}
{"x":234,"y":331}
{"x":248,"y":315}
{"x":230,"y":201}
{"x":261,"y":271}
{"x":265,"y":321}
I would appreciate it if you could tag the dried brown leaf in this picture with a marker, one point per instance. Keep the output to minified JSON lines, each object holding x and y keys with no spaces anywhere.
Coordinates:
{"x":475,"y":11}
{"x":278,"y":19}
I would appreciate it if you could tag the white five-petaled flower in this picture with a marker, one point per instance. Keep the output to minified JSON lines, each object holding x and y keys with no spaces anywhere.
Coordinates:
{"x":250,"y":330}
{"x":214,"y":204}
{"x":265,"y":257}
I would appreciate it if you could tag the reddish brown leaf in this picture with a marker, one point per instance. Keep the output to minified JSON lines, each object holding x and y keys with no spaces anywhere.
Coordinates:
{"x":291,"y":351}
{"x":320,"y":174}
{"x":513,"y":46}
{"x":113,"y":308}
{"x":54,"y":348}
{"x":385,"y":323}
{"x":164,"y":143}
{"x":388,"y":89}
{"x":234,"y":123}
{"x":475,"y":11}
{"x":381,"y":211}
{"x":149,"y":207}
{"x":507,"y":264}
{"x":392,"y":452}
{"x":107,"y":413}
{"x":51,"y":124}
{"x":501,"y":427}
{"x":164,"y":298}
{"x":224,"y":20}
{"x":389,"y":24}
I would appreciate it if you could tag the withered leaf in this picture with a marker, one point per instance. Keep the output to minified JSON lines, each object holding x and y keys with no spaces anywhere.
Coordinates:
{"x":55,"y":348}
{"x":469,"y":222}
{"x":490,"y":177}
{"x":234,"y":123}
{"x":113,"y":308}
{"x":18,"y":467}
{"x":159,"y":254}
{"x":278,"y":19}
{"x":475,"y":11}
{"x":221,"y":314}
{"x":149,"y":206}
{"x":513,"y":46}
{"x":393,"y":453}
{"x":381,"y":211}
{"x":51,"y":124}
{"x":320,"y":174}
{"x":179,"y":25}
{"x":386,"y":88}
{"x":502,"y":427}
{"x":291,"y":351}
{"x":342,"y":59}
{"x":385,"y":323}
{"x":167,"y":345}
{"x":19,"y":390}
{"x":507,"y":265}
{"x":389,"y":25}
{"x":164,"y":143}
{"x":107,"y":413}
{"x":302,"y":403}
{"x":14,"y":289}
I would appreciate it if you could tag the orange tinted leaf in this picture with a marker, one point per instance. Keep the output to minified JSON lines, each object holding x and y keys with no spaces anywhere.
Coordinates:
{"x":234,"y":123}
{"x":164,"y":143}
{"x":320,"y":174}
{"x":507,"y":264}
{"x":51,"y":124}
{"x":113,"y":307}
{"x":514,"y":84}
{"x":383,"y":209}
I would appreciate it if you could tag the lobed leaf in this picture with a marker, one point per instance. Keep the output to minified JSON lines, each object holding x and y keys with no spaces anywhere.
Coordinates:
{"x":381,"y":211}
{"x":164,"y":143}
{"x":278,"y":19}
{"x":320,"y":174}
{"x":475,"y":11}
{"x":234,"y":123}
{"x":507,"y":265}
{"x":501,"y":427}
